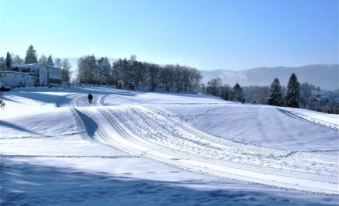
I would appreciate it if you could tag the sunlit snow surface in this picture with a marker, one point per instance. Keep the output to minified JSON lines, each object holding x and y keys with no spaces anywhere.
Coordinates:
{"x":135,"y":148}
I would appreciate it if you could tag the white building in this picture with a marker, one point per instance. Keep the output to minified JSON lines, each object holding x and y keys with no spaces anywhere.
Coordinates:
{"x":43,"y":75}
{"x":12,"y":79}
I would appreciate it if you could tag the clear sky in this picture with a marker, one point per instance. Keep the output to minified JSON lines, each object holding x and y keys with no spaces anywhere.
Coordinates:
{"x":206,"y":34}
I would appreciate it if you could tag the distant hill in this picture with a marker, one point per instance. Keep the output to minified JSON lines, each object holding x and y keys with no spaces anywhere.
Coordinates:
{"x":325,"y":76}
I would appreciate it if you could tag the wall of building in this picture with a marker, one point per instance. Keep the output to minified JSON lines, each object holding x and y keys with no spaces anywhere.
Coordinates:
{"x":12,"y":79}
{"x":43,"y":75}
{"x":54,"y":73}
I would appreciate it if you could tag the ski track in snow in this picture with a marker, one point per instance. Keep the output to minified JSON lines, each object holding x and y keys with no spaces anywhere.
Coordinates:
{"x":333,"y":125}
{"x":144,"y":131}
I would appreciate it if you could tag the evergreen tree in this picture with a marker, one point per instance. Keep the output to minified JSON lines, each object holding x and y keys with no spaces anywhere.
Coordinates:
{"x":43,"y":60}
{"x":238,"y":93}
{"x":8,"y":61}
{"x":31,"y":56}
{"x":292,"y":95}
{"x":275,"y":96}
{"x":2,"y":64}
{"x":50,"y":61}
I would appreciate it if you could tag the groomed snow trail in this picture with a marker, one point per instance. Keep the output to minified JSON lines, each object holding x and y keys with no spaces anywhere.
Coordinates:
{"x":328,"y":120}
{"x":145,"y":131}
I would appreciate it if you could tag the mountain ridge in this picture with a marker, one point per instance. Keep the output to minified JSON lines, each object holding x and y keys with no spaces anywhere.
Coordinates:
{"x":323,"y":75}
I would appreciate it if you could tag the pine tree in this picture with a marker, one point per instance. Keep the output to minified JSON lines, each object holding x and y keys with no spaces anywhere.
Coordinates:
{"x":2,"y":64}
{"x":8,"y":61}
{"x":31,"y":56}
{"x":275,"y":95}
{"x":292,"y":95}
{"x":50,"y":61}
{"x":238,"y":93}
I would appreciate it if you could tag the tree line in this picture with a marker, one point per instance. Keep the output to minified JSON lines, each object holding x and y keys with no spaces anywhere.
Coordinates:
{"x":296,"y":95}
{"x":132,"y":74}
{"x":31,"y":57}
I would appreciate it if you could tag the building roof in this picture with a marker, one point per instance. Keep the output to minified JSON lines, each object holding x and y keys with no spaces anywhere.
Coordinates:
{"x":34,"y":65}
{"x":15,"y":72}
{"x":27,"y":65}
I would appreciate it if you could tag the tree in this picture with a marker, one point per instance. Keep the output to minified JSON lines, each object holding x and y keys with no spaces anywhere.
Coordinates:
{"x":225,"y":92}
{"x":65,"y":71}
{"x":275,"y":96}
{"x":293,"y":93}
{"x":58,"y":63}
{"x":192,"y":78}
{"x":86,"y":69}
{"x":306,"y":94}
{"x":153,"y":73}
{"x":131,"y":73}
{"x":178,"y":78}
{"x":31,"y":56}
{"x":43,"y":60}
{"x":8,"y":61}
{"x":116,"y":77}
{"x":103,"y":71}
{"x":2,"y":64}
{"x":17,"y":60}
{"x":50,"y":61}
{"x":237,"y":93}
{"x":122,"y":73}
{"x":140,"y":72}
{"x":166,"y":77}
{"x":256,"y":94}
{"x":213,"y":86}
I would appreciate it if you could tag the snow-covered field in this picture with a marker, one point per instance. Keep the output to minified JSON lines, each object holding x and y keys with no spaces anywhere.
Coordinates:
{"x":134,"y":148}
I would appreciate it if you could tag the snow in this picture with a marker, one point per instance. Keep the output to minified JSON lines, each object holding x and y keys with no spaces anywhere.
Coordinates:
{"x":151,"y":148}
{"x":264,"y":126}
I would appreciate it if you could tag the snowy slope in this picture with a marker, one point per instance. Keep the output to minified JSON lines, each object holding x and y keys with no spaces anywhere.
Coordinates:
{"x":194,"y":141}
{"x":265,"y":126}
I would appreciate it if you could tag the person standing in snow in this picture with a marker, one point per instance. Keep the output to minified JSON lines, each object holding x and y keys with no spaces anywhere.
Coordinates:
{"x":90,"y":98}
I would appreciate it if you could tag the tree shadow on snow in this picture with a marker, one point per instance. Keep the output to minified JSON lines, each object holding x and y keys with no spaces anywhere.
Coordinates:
{"x":32,"y":184}
{"x":5,"y":98}
{"x":45,"y":98}
{"x":17,"y":127}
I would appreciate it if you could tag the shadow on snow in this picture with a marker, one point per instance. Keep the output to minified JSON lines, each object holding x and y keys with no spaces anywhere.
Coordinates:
{"x":26,"y":184}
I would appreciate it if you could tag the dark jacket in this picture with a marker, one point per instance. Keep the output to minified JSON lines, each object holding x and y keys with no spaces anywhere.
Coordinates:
{"x":90,"y":96}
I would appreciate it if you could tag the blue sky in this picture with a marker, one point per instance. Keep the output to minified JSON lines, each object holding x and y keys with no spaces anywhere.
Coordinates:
{"x":206,"y":34}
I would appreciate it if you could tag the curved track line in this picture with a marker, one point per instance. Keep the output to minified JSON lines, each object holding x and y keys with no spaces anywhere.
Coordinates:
{"x":311,"y":119}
